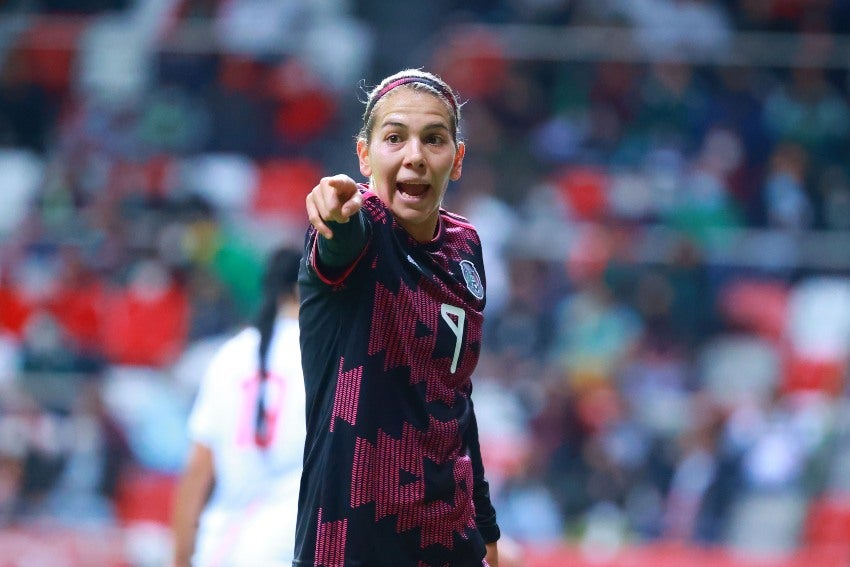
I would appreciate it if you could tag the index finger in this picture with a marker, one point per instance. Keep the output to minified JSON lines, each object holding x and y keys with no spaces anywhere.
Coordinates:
{"x":344,"y":186}
{"x":346,"y":197}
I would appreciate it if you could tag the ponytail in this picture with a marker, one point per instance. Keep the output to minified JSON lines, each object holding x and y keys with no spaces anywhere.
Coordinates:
{"x":279,"y":281}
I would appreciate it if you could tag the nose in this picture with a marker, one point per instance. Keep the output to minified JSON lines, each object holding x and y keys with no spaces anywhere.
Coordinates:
{"x":414,"y":156}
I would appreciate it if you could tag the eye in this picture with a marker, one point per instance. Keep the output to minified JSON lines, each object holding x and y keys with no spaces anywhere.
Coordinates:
{"x":393,"y":138}
{"x":435,"y":139}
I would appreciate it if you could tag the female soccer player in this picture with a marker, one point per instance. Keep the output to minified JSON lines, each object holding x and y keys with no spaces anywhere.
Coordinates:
{"x":240,"y":485}
{"x":392,"y":292}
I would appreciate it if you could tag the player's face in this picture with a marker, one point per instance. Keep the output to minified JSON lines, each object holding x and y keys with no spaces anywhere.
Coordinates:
{"x":411,"y":157}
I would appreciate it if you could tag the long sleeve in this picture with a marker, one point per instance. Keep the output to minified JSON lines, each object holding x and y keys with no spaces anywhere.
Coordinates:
{"x":485,"y":513}
{"x":345,"y":247}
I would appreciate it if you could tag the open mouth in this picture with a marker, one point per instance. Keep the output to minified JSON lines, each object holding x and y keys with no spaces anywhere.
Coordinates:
{"x":412,"y":190}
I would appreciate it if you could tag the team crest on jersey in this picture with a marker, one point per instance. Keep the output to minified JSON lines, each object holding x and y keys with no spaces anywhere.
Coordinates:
{"x":472,"y":279}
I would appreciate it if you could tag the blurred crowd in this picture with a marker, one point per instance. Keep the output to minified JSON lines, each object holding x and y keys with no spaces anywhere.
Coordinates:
{"x":154,"y":152}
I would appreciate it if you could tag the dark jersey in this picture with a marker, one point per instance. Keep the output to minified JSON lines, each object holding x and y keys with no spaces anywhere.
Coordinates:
{"x":392,"y":468}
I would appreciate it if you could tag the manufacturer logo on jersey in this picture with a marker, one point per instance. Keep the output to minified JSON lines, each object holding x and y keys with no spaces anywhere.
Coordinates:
{"x":472,"y":279}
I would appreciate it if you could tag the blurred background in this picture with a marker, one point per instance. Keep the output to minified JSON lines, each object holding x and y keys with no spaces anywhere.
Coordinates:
{"x":663,"y":193}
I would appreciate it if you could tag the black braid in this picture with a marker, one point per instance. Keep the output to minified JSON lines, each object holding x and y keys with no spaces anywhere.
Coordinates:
{"x":280,"y":280}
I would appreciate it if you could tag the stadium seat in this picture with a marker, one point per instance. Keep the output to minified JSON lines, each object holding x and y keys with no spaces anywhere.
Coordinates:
{"x":148,"y":324}
{"x":828,"y":522}
{"x":52,"y":62}
{"x":818,"y":325}
{"x":227,"y":180}
{"x":755,"y":305}
{"x":804,"y":373}
{"x":767,"y":524}
{"x":584,"y":191}
{"x":739,"y":368}
{"x":14,"y":310}
{"x":282,"y":186}
{"x":145,"y":496}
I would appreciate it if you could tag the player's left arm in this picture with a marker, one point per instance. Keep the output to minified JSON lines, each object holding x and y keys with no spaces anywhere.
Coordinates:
{"x":193,"y":490}
{"x":485,"y":513}
{"x":492,"y":557}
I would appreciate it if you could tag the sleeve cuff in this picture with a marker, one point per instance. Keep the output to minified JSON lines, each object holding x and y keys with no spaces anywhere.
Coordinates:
{"x":490,"y":533}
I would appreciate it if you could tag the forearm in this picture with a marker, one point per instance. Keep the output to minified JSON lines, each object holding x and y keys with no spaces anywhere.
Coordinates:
{"x":185,"y":524}
{"x":485,"y":513}
{"x":192,"y":494}
{"x":492,"y":557}
{"x":347,"y":244}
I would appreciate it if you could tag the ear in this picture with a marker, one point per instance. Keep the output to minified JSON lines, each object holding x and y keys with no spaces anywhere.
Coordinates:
{"x":363,"y":158}
{"x":457,"y":166}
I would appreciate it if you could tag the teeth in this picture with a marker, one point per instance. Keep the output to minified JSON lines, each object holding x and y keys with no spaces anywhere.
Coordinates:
{"x":412,"y":189}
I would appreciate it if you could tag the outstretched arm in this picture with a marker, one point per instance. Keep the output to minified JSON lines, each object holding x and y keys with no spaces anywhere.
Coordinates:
{"x":333,"y":209}
{"x":335,"y":199}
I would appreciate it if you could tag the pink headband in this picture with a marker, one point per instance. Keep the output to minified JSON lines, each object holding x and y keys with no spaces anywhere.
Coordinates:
{"x":445,"y":93}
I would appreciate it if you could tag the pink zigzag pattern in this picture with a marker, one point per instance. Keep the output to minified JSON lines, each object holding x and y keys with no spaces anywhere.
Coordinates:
{"x":330,"y":543}
{"x":457,"y":237}
{"x":394,"y":319}
{"x":376,"y":208}
{"x":347,"y":395}
{"x":376,"y":477}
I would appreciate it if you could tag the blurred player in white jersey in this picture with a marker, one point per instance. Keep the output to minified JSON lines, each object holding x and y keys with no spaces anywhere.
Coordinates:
{"x":237,"y":499}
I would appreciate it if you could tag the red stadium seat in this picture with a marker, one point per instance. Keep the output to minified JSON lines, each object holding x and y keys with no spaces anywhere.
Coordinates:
{"x":49,"y":48}
{"x":282,"y":187}
{"x":828,"y":522}
{"x":756,"y":306}
{"x":473,"y":63}
{"x":147,"y":331}
{"x":145,"y":496}
{"x":584,"y":191}
{"x":810,"y":374}
{"x":14,"y":310}
{"x":304,"y":106}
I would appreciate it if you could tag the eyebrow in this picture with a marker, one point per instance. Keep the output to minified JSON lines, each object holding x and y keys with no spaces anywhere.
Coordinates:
{"x":431,"y":126}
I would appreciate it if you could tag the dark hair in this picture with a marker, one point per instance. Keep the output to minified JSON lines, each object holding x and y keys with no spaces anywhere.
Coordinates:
{"x":280,"y":279}
{"x":414,"y":78}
